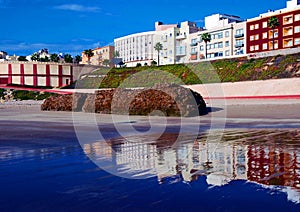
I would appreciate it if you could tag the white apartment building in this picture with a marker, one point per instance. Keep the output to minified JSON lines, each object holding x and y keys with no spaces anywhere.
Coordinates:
{"x":165,"y":33}
{"x":175,"y":40}
{"x":136,"y":48}
{"x":139,"y":48}
{"x":239,"y":39}
{"x":227,"y":38}
{"x":183,"y":44}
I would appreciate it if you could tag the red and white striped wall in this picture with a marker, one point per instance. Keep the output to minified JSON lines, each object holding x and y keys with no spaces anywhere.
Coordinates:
{"x":36,"y":74}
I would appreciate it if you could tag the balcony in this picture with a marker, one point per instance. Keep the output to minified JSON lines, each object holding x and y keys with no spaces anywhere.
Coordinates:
{"x":180,"y":51}
{"x":180,"y":37}
{"x":193,"y":44}
{"x":238,"y":45}
{"x":239,"y":35}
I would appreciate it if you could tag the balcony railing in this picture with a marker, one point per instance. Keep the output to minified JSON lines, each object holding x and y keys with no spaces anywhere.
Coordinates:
{"x":180,"y":37}
{"x":239,"y":35}
{"x":193,"y":44}
{"x":180,"y":51}
{"x":238,"y":45}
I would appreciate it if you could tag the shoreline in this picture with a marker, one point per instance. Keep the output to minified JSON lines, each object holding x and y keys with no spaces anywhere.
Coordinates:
{"x":237,"y":111}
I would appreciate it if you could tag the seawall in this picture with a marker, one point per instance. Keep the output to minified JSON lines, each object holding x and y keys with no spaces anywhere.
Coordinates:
{"x":261,"y":89}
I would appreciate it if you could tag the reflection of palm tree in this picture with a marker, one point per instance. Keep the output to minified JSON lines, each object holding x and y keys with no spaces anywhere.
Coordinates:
{"x":207,"y":164}
{"x":273,"y":23}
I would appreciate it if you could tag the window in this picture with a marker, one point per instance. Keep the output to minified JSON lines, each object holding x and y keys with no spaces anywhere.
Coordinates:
{"x":265,"y":46}
{"x":275,"y":45}
{"x":239,"y":43}
{"x":252,"y":37}
{"x":297,"y":17}
{"x":275,"y":33}
{"x":226,"y":43}
{"x":219,"y":54}
{"x":220,"y":35}
{"x":265,"y":35}
{"x":193,"y":50}
{"x":288,"y":19}
{"x":297,"y":41}
{"x":297,"y":29}
{"x":220,"y":44}
{"x":217,"y":35}
{"x":256,"y":26}
{"x":239,"y":31}
{"x":227,"y":34}
{"x":251,"y":48}
{"x":201,"y":48}
{"x":257,"y":37}
{"x":256,"y":47}
{"x":287,"y":31}
{"x":251,"y":27}
{"x":227,"y":53}
{"x":287,"y":42}
{"x":265,"y":24}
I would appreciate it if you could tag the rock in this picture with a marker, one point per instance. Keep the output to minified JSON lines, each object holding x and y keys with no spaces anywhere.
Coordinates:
{"x":170,"y":99}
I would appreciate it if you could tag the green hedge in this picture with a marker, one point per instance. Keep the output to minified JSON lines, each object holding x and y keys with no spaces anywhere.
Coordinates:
{"x":225,"y":70}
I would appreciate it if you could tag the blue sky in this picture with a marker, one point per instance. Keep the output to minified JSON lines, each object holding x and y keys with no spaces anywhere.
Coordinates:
{"x":75,"y":25}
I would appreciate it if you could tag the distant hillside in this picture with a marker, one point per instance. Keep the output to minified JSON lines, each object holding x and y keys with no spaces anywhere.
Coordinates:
{"x":226,"y":70}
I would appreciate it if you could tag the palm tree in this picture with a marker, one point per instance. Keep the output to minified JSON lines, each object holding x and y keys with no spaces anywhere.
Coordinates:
{"x":106,"y":62}
{"x":54,"y":58}
{"x":206,"y":37}
{"x":68,"y":58}
{"x":22,"y":58}
{"x":116,"y":54}
{"x":78,"y":58}
{"x":273,"y":23}
{"x":89,"y":53}
{"x":35,"y":57}
{"x":158,"y":47}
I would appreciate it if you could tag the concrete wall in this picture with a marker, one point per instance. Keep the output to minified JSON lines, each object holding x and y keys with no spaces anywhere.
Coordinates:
{"x":250,"y":89}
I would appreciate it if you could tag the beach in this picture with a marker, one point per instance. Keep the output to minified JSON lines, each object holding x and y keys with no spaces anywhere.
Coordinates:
{"x":29,"y":110}
{"x":58,"y":160}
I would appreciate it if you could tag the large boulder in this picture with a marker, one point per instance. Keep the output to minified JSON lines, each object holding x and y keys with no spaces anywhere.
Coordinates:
{"x":170,"y":99}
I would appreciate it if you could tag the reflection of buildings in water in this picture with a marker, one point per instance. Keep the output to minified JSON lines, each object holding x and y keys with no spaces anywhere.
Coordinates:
{"x":188,"y":159}
{"x":273,"y":165}
{"x":264,"y":163}
{"x":15,"y":153}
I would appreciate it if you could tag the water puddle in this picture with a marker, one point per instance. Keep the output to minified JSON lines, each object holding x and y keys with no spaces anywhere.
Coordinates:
{"x":267,"y":157}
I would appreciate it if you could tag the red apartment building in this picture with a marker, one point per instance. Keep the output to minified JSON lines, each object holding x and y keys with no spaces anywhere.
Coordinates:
{"x":287,"y":35}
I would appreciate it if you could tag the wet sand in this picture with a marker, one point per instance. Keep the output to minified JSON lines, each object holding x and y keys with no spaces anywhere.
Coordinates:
{"x":241,"y":114}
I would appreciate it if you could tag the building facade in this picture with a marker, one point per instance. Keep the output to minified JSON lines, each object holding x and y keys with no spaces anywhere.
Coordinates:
{"x":287,"y":35}
{"x":174,"y":39}
{"x":136,"y":48}
{"x":231,"y":36}
{"x":139,"y":48}
{"x":227,"y":39}
{"x":100,"y":55}
{"x":36,"y":74}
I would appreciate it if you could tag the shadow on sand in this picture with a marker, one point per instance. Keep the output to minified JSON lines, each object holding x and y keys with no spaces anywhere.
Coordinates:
{"x":213,"y":109}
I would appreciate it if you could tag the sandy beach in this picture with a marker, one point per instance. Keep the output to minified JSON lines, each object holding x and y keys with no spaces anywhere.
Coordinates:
{"x":269,"y":109}
{"x":236,"y":113}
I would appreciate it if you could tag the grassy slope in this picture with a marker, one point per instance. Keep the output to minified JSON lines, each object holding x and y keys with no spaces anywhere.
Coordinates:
{"x":226,"y":70}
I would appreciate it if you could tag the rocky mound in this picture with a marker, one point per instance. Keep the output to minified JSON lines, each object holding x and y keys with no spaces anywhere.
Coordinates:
{"x":172,"y":100}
